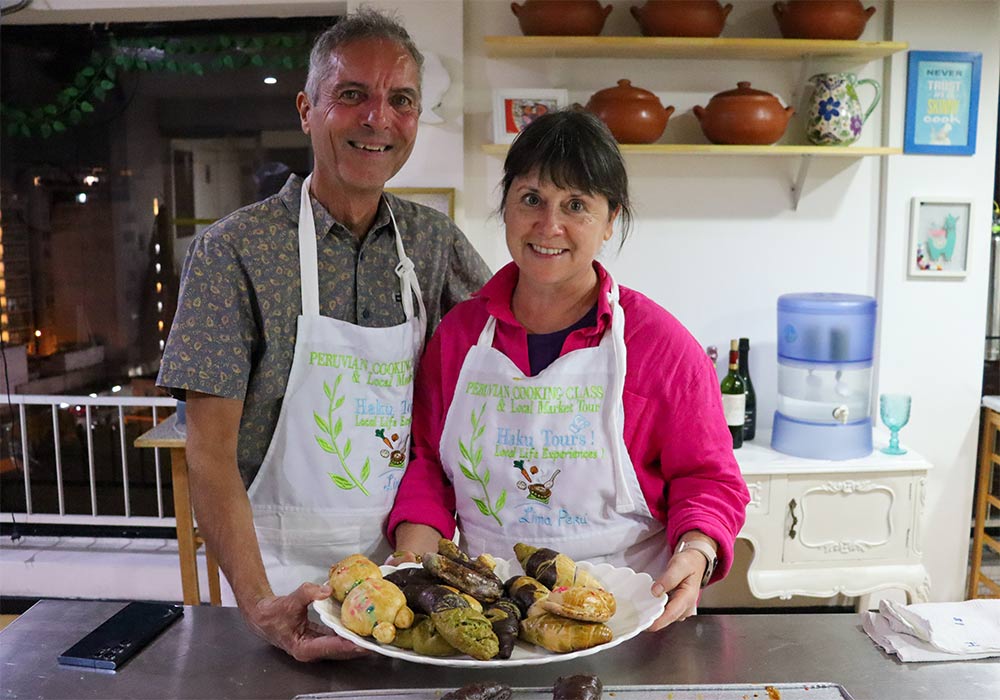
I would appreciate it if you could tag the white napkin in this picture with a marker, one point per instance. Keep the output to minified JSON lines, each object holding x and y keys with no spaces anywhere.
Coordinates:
{"x":936,"y":631}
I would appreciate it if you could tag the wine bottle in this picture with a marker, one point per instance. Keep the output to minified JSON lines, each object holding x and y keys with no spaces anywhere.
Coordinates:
{"x":750,"y":420}
{"x":734,"y":396}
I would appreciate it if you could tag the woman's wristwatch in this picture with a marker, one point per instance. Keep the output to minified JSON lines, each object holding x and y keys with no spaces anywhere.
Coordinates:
{"x":707,"y":550}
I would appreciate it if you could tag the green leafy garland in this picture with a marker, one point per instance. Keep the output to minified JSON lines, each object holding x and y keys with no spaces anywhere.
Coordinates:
{"x":194,"y":56}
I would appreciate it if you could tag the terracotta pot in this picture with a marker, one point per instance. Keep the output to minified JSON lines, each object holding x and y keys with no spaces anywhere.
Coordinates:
{"x":561,"y":17}
{"x":822,"y":19}
{"x":681,"y":17}
{"x":632,"y":114}
{"x":744,"y":116}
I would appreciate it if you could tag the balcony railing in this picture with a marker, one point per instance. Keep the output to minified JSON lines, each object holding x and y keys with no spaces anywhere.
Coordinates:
{"x":68,"y":464}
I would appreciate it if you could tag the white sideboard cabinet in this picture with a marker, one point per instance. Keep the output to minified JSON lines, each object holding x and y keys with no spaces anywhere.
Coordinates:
{"x":822,"y":527}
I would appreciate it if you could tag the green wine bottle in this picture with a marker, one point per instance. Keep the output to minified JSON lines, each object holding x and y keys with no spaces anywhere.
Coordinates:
{"x":750,"y":421}
{"x":734,"y":396}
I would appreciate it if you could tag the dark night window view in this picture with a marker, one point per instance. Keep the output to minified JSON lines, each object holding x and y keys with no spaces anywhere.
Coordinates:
{"x":119,"y":144}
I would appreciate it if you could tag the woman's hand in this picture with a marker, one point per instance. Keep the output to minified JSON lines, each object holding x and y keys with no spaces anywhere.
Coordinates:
{"x":284,"y":622}
{"x":402,"y":556}
{"x":682,"y":583}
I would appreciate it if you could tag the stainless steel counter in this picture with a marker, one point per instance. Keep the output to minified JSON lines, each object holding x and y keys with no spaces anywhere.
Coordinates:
{"x":209,"y":653}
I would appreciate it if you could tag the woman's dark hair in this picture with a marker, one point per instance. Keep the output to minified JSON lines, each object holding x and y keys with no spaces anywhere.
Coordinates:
{"x":572,"y":148}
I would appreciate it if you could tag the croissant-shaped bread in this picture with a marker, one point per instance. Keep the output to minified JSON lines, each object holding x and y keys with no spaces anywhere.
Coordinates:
{"x":580,"y":603}
{"x":484,"y":586}
{"x":349,"y":572}
{"x":579,"y":687}
{"x":375,"y":608}
{"x":504,"y":616}
{"x":526,"y":592}
{"x":562,"y":634}
{"x":423,"y":638}
{"x":462,"y":626}
{"x":484,"y":563}
{"x":552,"y":568}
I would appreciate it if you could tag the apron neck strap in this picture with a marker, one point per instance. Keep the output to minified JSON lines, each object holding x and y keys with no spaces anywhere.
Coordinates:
{"x":309,"y":272}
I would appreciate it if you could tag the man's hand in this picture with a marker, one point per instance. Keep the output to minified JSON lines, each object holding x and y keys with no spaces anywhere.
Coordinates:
{"x":284,"y":622}
{"x":682,"y":582}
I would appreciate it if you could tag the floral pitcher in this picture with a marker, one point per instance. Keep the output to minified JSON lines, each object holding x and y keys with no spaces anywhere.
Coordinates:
{"x":835,"y":112}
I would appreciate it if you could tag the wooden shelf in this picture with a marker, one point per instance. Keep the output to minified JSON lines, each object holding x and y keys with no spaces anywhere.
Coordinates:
{"x":499,"y":149}
{"x":672,"y":47}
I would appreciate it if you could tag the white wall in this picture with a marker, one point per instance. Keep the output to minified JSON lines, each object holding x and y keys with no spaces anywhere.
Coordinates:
{"x":717,"y":240}
{"x":932,"y":331}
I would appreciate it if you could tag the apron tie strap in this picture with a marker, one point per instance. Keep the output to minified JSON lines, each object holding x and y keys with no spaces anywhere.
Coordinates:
{"x":408,"y":284}
{"x":624,"y":503}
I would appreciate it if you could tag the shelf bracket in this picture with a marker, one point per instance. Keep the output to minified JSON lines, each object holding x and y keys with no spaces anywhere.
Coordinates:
{"x":800,"y":180}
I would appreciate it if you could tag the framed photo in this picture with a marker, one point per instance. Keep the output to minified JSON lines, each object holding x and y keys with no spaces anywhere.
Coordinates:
{"x":942,"y":102}
{"x":939,"y":237}
{"x":441,"y":199}
{"x":514,"y":109}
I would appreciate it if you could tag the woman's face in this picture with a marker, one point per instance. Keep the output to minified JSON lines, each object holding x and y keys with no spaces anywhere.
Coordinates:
{"x":553,"y":233}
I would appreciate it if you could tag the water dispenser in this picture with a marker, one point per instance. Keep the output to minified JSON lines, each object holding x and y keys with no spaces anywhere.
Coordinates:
{"x":825,"y":348}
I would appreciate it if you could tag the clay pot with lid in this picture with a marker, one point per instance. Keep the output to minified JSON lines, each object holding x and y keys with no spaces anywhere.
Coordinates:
{"x":744,"y":116}
{"x":561,"y":17}
{"x":632,"y":114}
{"x":703,"y":18}
{"x":822,"y":19}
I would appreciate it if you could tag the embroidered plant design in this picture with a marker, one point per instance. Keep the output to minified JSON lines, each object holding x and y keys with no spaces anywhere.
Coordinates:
{"x":473,"y":455}
{"x":328,"y":443}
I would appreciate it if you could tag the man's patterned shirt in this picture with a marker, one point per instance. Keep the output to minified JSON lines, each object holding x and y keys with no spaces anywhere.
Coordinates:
{"x":234,"y":331}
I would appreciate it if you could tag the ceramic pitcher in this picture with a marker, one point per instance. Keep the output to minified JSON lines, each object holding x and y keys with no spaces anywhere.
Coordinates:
{"x":835,"y":112}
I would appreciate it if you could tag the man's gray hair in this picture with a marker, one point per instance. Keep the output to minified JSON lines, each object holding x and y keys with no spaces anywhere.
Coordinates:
{"x":365,"y":23}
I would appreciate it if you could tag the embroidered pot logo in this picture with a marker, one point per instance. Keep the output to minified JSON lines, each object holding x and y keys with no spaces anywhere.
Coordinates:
{"x":328,"y":441}
{"x":396,"y":452}
{"x":537,"y":490}
{"x":472,"y":458}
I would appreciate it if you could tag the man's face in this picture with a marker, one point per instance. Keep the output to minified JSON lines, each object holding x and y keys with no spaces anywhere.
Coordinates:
{"x":364,"y":122}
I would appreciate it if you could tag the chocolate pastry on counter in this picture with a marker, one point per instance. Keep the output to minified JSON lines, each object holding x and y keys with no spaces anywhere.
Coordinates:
{"x":579,"y":687}
{"x":488,"y":690}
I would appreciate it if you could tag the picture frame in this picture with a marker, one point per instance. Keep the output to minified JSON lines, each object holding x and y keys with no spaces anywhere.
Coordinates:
{"x":441,"y":199}
{"x":939,"y":237}
{"x":942,"y":102}
{"x":513,"y":109}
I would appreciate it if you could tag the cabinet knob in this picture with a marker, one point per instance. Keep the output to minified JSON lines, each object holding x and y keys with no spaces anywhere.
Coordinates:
{"x":795,"y":520}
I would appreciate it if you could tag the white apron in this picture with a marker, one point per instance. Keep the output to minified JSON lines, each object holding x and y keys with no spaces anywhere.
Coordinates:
{"x":542,"y":459}
{"x":341,"y":442}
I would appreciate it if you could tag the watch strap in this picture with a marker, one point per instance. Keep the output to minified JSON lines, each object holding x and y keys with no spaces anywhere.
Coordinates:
{"x":706,"y":550}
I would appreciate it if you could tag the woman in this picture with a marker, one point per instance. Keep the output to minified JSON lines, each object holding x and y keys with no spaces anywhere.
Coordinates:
{"x":559,"y":409}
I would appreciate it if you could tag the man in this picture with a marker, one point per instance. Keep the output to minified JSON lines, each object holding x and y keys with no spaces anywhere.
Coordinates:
{"x":297,"y":333}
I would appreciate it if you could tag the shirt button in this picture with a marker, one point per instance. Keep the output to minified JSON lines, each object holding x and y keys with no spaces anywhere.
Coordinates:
{"x":366,"y":314}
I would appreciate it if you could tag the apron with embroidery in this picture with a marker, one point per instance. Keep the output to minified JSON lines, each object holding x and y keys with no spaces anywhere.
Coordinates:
{"x":341,"y":442}
{"x":542,"y":459}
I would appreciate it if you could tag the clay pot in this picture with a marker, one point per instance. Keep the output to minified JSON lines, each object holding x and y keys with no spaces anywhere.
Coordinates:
{"x":632,"y":114}
{"x":561,"y":17}
{"x":681,"y":17}
{"x":744,"y":116}
{"x":822,"y":19}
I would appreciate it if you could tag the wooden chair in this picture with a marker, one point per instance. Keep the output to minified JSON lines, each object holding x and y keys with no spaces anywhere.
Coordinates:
{"x":169,"y":436}
{"x":987,"y":494}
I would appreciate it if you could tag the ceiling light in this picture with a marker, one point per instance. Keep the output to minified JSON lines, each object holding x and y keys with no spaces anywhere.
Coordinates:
{"x":270,"y":80}
{"x":81,"y":198}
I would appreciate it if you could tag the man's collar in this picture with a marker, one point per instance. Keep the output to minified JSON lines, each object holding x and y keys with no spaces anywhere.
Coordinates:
{"x":290,"y":197}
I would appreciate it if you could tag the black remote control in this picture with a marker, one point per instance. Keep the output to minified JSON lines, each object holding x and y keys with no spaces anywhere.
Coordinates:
{"x":121,"y":636}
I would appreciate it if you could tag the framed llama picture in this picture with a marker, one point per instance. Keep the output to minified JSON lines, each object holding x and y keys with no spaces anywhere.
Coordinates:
{"x":939,"y":237}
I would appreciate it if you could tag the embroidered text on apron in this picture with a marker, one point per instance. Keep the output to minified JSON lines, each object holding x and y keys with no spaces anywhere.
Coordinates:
{"x":341,"y":442}
{"x":542,"y":459}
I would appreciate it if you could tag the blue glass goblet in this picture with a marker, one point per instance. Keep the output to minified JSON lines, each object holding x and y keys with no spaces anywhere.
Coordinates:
{"x":895,"y":412}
